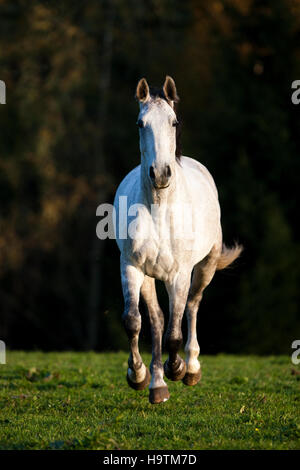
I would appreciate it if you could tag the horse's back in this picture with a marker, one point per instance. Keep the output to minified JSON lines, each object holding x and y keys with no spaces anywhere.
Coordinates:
{"x":190,"y":165}
{"x":200,"y":190}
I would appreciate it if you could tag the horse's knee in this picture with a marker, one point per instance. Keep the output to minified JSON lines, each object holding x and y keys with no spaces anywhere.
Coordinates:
{"x":132,"y":321}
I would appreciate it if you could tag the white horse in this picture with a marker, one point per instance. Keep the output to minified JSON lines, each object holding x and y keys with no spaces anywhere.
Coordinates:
{"x":175,"y":235}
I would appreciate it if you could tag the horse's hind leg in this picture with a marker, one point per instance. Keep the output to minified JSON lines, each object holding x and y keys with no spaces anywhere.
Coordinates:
{"x":138,"y":376}
{"x":158,"y":388}
{"x":202,"y":275}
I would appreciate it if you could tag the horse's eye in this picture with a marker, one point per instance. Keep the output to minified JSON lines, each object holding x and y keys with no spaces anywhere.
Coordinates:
{"x":175,"y":123}
{"x":140,"y":123}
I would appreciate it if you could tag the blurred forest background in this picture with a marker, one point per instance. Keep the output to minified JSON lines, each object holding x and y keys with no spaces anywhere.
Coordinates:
{"x":68,"y":137}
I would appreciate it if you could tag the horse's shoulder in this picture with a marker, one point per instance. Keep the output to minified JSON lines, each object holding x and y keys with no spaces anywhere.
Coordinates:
{"x":131,"y":179}
{"x":191,"y":164}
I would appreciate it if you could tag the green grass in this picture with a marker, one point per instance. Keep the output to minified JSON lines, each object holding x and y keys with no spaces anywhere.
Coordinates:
{"x":82,"y":401}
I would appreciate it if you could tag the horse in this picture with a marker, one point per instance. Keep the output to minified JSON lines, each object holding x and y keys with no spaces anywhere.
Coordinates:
{"x":160,"y":193}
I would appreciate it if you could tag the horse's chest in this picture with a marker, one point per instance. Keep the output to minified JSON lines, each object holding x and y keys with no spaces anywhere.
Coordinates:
{"x":155,"y":257}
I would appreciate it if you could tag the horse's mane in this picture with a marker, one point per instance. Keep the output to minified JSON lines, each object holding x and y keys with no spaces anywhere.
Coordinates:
{"x":159,"y":92}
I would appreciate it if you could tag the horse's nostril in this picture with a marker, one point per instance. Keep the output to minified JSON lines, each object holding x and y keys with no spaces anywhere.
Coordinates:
{"x":168,"y":171}
{"x":151,"y":173}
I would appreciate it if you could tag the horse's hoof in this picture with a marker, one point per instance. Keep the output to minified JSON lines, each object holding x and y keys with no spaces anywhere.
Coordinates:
{"x":192,"y":378}
{"x":140,"y":385}
{"x":175,"y":372}
{"x":159,"y":395}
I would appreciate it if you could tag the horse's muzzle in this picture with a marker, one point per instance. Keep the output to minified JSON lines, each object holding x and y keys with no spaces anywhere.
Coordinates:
{"x":160,"y":180}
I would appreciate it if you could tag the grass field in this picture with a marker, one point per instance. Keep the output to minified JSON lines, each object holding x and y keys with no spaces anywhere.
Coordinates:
{"x":82,"y":401}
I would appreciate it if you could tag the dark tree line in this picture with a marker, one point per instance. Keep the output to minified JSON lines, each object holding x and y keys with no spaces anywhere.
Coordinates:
{"x":68,"y":137}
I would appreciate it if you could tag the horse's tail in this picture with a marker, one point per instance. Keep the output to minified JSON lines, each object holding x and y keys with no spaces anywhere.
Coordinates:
{"x":229,"y":255}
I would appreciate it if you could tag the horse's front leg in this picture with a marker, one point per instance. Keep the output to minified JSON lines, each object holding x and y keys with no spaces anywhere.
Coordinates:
{"x":138,"y":376}
{"x":158,"y":388}
{"x":175,"y":367}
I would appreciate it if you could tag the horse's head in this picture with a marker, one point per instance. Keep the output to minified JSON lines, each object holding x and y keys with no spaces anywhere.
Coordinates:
{"x":157,"y":123}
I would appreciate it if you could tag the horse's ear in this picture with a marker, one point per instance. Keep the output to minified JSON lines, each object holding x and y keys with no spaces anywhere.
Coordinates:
{"x":170,"y":89}
{"x":142,"y":90}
